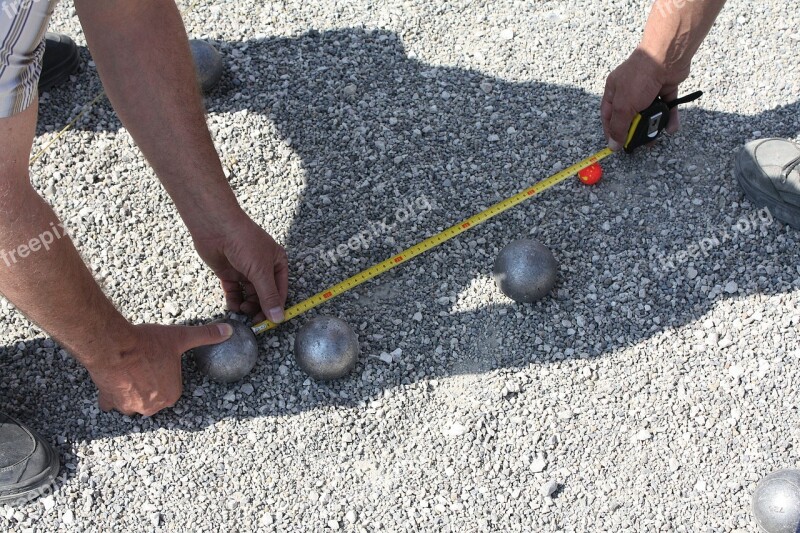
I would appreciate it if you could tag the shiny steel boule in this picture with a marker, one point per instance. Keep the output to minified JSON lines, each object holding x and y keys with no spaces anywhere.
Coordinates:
{"x":776,"y":502}
{"x":525,"y":270}
{"x":326,"y":348}
{"x":232,"y":359}
{"x":207,"y":63}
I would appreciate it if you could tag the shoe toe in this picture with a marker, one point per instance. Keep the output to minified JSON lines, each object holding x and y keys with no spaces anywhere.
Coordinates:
{"x":763,"y":163}
{"x":28,"y":464}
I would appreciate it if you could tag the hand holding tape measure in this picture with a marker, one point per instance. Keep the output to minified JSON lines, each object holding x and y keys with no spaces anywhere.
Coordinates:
{"x":648,"y":125}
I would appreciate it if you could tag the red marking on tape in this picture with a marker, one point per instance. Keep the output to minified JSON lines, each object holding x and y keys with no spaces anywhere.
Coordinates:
{"x":531,"y":192}
{"x":327,"y":294}
{"x":465,"y":225}
{"x":398,"y":258}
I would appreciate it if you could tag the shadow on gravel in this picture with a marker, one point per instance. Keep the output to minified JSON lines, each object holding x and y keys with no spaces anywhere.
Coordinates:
{"x":379,"y":132}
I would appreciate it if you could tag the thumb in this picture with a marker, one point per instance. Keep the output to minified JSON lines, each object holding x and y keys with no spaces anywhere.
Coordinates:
{"x":194,"y":336}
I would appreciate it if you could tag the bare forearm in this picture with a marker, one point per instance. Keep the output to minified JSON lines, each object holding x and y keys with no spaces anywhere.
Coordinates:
{"x":675,"y":30}
{"x":40,"y":270}
{"x":143,"y":57}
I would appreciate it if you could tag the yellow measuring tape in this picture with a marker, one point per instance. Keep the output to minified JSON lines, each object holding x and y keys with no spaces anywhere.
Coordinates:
{"x":432,"y":242}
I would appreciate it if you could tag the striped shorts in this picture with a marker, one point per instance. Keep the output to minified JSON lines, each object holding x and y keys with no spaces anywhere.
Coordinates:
{"x":22,"y":27}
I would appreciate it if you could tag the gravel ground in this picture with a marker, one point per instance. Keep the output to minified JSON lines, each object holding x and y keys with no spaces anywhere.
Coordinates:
{"x":651,"y":392}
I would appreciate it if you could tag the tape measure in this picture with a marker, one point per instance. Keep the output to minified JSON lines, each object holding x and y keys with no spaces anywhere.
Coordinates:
{"x":646,"y":127}
{"x":649,"y":124}
{"x":434,"y":241}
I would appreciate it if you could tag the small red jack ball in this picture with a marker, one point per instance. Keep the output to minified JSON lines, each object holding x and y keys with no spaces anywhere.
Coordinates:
{"x":591,"y":174}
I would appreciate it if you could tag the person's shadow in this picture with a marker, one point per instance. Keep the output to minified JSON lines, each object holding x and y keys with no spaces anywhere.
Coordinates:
{"x":386,"y":138}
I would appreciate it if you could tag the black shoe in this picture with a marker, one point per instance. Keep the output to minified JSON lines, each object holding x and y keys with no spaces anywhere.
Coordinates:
{"x":768,"y":170}
{"x":28,"y":464}
{"x":60,"y":60}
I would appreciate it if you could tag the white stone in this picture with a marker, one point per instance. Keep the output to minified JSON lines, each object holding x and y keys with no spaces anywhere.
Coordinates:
{"x":538,"y":464}
{"x":455,"y":430}
{"x":549,"y":488}
{"x":48,"y":502}
{"x":736,"y":371}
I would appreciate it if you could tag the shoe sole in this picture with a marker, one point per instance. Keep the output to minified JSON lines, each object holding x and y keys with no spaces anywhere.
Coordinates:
{"x":761,"y":199}
{"x":42,"y":484}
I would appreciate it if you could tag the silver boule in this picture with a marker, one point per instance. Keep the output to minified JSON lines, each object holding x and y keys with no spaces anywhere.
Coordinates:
{"x":525,"y":270}
{"x":776,"y":502}
{"x":207,"y":63}
{"x":232,"y":359}
{"x":326,"y":348}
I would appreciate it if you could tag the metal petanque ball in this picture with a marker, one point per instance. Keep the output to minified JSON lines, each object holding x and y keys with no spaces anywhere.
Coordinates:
{"x":326,"y":348}
{"x":232,"y":359}
{"x":525,"y":270}
{"x":207,"y":63}
{"x":776,"y":502}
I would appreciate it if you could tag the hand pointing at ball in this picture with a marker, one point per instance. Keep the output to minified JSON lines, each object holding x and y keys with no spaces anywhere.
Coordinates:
{"x":144,"y":376}
{"x":252,"y":267}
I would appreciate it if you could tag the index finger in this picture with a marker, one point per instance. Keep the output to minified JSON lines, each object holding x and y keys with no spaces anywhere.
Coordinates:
{"x":271,"y":283}
{"x":605,"y":105}
{"x":620,"y":122}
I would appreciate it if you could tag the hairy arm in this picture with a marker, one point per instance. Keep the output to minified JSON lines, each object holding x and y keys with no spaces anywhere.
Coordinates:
{"x":143,"y":57}
{"x":137,"y":369}
{"x":41,"y":272}
{"x":673,"y":34}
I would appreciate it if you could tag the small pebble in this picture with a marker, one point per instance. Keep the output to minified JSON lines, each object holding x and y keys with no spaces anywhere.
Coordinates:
{"x":731,"y":287}
{"x":549,"y":488}
{"x":507,"y":34}
{"x":456,"y":430}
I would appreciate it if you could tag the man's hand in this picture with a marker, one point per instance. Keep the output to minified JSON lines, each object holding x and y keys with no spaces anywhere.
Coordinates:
{"x":659,"y":64}
{"x":252,"y":267}
{"x":145,"y":377}
{"x":632,"y":87}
